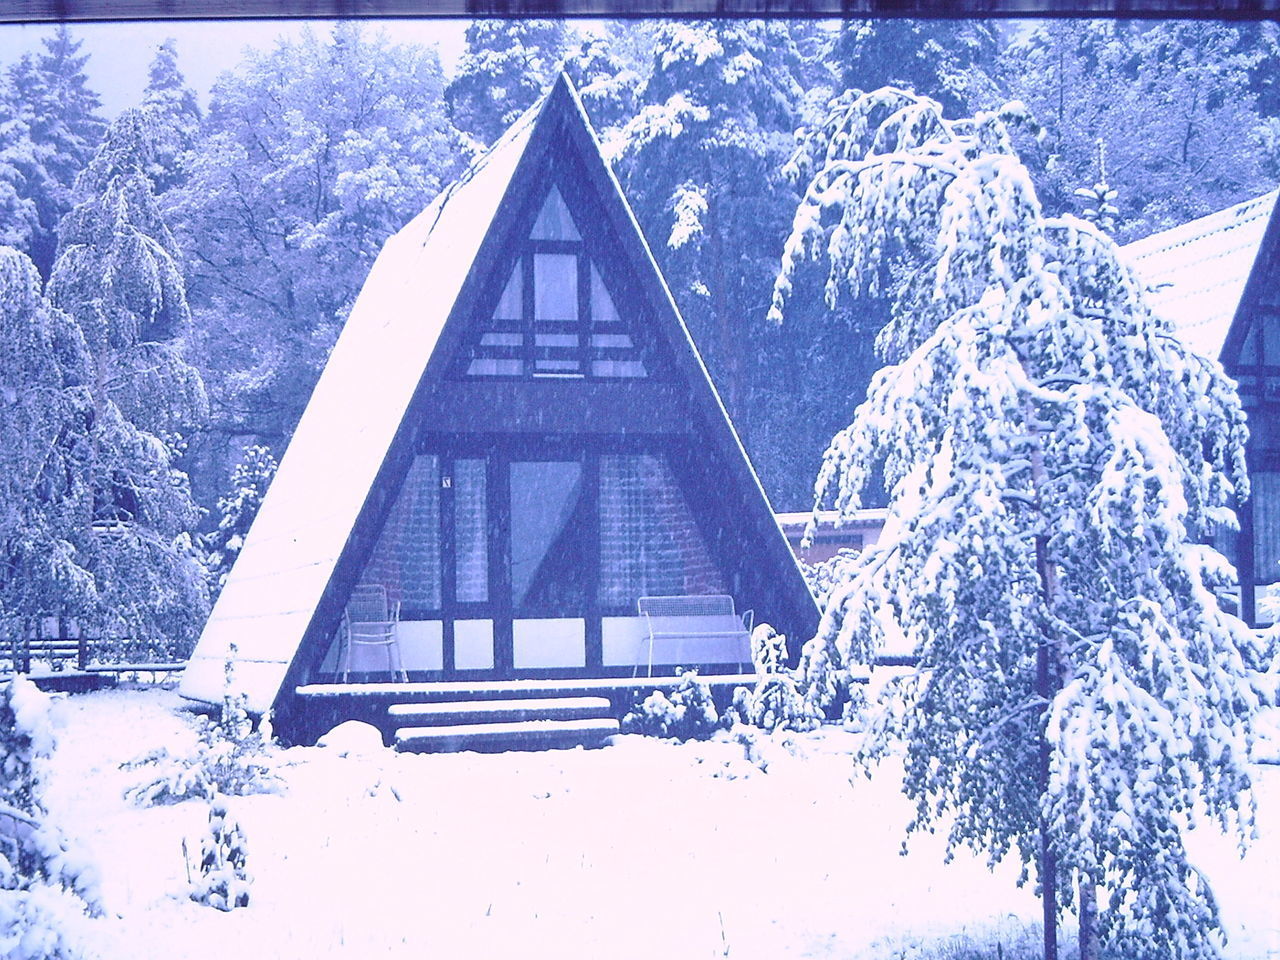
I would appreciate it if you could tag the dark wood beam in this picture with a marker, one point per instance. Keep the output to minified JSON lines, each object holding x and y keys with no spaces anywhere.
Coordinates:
{"x":38,"y":11}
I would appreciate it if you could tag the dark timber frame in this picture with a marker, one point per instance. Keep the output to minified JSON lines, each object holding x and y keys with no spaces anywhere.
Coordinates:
{"x":673,"y":412}
{"x":1251,"y":355}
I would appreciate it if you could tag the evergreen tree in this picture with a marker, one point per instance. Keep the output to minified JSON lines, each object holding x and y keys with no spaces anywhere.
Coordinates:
{"x":507,"y":65}
{"x":118,"y":278}
{"x":46,"y":411}
{"x":701,"y":164}
{"x":1056,"y":460}
{"x":236,"y":509}
{"x":314,"y":153}
{"x":608,"y":86}
{"x":177,"y":114}
{"x":49,"y":129}
{"x":948,"y":60}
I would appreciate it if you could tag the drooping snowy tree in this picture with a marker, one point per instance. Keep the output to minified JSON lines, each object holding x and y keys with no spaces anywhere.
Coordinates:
{"x":314,"y":153}
{"x":49,"y":129}
{"x":1056,"y":460}
{"x":506,"y":66}
{"x":177,"y":113}
{"x":46,"y":410}
{"x":117,"y":276}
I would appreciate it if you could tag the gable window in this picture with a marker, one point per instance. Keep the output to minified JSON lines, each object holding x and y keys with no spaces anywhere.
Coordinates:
{"x":555,"y":317}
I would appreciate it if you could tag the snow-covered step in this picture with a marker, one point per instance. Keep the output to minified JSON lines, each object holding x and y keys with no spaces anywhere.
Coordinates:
{"x":493,"y":711}
{"x":513,"y":735}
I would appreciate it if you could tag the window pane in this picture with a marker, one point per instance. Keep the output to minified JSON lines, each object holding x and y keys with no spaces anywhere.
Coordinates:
{"x":511,"y":304}
{"x":649,"y":542}
{"x":555,"y":340}
{"x":555,"y":222}
{"x":489,"y":367}
{"x":1266,"y":526}
{"x":618,"y":368}
{"x":618,"y":341}
{"x":555,"y":286}
{"x":501,"y":339}
{"x":602,"y":308}
{"x":471,"y":525}
{"x":406,"y":558}
{"x":548,"y":527}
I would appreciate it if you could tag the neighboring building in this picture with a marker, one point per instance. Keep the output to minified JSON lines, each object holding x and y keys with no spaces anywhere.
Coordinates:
{"x":514,"y":439}
{"x":1217,"y":279}
{"x":832,"y":533}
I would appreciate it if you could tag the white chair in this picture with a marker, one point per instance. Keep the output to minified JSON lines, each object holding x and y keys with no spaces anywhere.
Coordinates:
{"x":369,"y":621}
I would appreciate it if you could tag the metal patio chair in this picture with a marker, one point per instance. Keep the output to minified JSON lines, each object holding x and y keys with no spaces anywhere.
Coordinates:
{"x":370,"y":621}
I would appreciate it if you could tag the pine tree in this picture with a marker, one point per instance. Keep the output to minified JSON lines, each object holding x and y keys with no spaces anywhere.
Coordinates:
{"x":117,"y":276}
{"x":1056,"y":460}
{"x":49,"y":129}
{"x":177,"y":113}
{"x":249,"y":482}
{"x":700,"y":162}
{"x":46,"y":411}
{"x":948,"y":60}
{"x":507,"y":65}
{"x":608,"y":86}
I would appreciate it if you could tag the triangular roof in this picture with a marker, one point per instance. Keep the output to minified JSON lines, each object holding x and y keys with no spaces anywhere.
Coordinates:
{"x":1197,"y":272}
{"x":393,"y":349}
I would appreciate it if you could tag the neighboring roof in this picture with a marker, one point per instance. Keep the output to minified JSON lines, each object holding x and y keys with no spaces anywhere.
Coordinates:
{"x":344,"y":434}
{"x":1197,"y":272}
{"x":375,"y":371}
{"x":833,"y":519}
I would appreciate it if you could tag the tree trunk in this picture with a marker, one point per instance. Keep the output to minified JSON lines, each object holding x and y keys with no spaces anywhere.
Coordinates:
{"x":1048,"y":859}
{"x":1088,"y":918}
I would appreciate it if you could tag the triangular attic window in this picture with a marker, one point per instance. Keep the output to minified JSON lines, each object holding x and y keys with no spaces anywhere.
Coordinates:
{"x":602,"y":308}
{"x":554,"y":222}
{"x":511,"y":303}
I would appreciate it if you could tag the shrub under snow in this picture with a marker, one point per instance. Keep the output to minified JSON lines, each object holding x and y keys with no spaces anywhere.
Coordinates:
{"x":688,"y":714}
{"x":221,"y":879}
{"x":230,"y":759}
{"x":45,"y":890}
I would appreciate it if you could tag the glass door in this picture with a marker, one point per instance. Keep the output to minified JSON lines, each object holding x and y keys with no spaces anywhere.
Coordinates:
{"x":551,"y":569}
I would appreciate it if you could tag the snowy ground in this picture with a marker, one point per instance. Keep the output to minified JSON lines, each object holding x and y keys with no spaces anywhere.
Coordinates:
{"x":642,"y":849}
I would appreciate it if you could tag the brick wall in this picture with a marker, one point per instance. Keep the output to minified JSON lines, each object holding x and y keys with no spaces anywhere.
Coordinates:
{"x":406,"y":558}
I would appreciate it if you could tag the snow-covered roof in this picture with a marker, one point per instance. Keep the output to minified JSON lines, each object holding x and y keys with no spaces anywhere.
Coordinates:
{"x":1197,"y":272}
{"x":345,"y":432}
{"x":312,"y":508}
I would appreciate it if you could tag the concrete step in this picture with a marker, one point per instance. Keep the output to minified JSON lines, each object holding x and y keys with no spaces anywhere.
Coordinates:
{"x":510,"y":735}
{"x":463,"y":712}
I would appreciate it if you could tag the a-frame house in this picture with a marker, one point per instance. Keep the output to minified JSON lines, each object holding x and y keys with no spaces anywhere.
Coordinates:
{"x":514,"y":439}
{"x":1217,"y":279}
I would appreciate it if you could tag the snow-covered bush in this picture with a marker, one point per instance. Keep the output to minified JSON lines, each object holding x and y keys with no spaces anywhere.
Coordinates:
{"x":688,"y":714}
{"x":777,"y":702}
{"x":825,"y":575}
{"x":231,"y":758}
{"x":45,"y":890}
{"x":221,"y":879}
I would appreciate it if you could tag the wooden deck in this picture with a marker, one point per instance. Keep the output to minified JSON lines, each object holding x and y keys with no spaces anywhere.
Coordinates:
{"x":471,"y":715}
